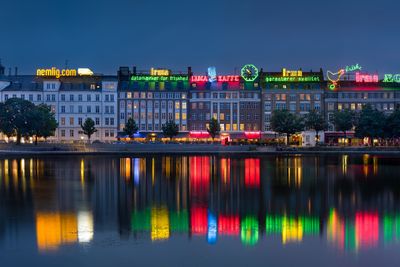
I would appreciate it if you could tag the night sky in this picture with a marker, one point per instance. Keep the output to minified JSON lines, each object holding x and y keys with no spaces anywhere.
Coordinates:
{"x":106,"y":34}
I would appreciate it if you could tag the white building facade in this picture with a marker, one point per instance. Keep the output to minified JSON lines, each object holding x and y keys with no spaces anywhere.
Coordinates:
{"x":73,"y":100}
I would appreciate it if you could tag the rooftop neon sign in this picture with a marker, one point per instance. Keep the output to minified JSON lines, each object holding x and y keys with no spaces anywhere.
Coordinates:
{"x":335,"y":77}
{"x":392,"y":78}
{"x":220,"y":78}
{"x":366,"y":78}
{"x":292,"y":79}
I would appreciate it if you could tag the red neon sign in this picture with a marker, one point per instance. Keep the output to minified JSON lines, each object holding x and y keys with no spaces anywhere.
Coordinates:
{"x":252,"y":135}
{"x":221,"y":78}
{"x":366,"y":78}
{"x":199,"y":134}
{"x":228,"y":78}
{"x":199,"y":79}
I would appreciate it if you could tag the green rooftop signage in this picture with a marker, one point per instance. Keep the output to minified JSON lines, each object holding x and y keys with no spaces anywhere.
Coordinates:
{"x":150,"y":78}
{"x":392,"y":78}
{"x":292,"y":79}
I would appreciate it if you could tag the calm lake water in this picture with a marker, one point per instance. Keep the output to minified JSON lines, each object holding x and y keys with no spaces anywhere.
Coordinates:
{"x":337,"y":210}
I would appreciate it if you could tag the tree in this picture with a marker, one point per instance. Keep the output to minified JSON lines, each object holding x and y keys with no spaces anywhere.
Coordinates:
{"x":343,"y":120}
{"x":370,"y":123}
{"x":131,"y":127}
{"x":15,"y":119}
{"x":5,"y":123}
{"x":392,"y":124}
{"x":213,"y":128}
{"x":88,"y":128}
{"x":284,"y":122}
{"x":315,"y":120}
{"x":170,"y":129}
{"x":44,"y":123}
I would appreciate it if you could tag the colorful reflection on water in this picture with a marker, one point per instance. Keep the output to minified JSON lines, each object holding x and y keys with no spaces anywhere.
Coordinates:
{"x":350,"y":203}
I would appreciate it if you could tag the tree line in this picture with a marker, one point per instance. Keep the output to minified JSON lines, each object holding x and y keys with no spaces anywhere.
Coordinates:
{"x":22,"y":119}
{"x":369,"y":122}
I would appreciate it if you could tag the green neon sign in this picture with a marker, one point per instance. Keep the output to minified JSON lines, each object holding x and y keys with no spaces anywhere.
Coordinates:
{"x":392,"y":78}
{"x":353,"y":68}
{"x":292,"y":79}
{"x":150,"y":78}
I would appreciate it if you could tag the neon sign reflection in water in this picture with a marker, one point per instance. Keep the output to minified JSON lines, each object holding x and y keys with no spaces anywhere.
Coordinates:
{"x":212,"y":228}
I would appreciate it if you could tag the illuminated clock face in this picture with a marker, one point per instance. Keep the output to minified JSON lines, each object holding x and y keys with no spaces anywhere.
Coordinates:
{"x":249,"y":72}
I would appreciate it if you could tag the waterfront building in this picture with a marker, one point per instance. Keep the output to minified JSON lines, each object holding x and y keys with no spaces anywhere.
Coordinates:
{"x":73,"y":99}
{"x":351,"y":93}
{"x":231,"y":99}
{"x":294,"y":90}
{"x":152,"y":98}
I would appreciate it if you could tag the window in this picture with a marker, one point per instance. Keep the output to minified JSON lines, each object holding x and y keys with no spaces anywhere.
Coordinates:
{"x":63,"y":97}
{"x":79,"y":97}
{"x":107,"y":121}
{"x":80,"y":121}
{"x":39,"y":97}
{"x":97,"y":121}
{"x":71,"y":97}
{"x":97,"y":97}
{"x":111,"y":121}
{"x":62,"y":109}
{"x":71,"y":133}
{"x":62,"y":133}
{"x":79,"y":109}
{"x":89,"y":98}
{"x":71,"y":121}
{"x":88,"y":109}
{"x":97,"y":109}
{"x":62,"y":121}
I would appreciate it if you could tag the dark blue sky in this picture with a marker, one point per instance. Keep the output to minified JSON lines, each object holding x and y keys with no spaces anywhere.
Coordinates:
{"x":106,"y":34}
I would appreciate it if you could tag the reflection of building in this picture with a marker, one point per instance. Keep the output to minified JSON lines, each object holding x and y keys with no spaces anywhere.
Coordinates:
{"x":55,"y":229}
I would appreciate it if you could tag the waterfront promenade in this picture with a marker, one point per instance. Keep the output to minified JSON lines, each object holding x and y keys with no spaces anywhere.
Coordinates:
{"x":175,"y":148}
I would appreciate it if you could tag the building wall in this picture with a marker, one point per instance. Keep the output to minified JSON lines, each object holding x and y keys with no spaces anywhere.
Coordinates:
{"x":152,"y":109}
{"x":236,"y":110}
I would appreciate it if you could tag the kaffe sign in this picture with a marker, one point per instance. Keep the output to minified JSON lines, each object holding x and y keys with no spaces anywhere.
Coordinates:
{"x":220,"y":78}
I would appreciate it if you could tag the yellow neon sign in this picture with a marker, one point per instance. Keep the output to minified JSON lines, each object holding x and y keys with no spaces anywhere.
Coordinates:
{"x":160,"y":72}
{"x":292,"y":73}
{"x":54,"y":72}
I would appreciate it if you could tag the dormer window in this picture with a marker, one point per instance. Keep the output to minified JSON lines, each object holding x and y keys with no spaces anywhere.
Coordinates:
{"x":92,"y":86}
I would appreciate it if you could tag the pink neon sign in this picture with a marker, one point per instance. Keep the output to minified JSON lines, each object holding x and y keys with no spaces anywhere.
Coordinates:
{"x":220,"y":78}
{"x":366,"y":78}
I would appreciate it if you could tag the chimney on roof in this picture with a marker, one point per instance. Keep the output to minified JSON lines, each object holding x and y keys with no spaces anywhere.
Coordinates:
{"x":1,"y":69}
{"x":16,"y":71}
{"x":134,"y":70}
{"x":189,"y":71}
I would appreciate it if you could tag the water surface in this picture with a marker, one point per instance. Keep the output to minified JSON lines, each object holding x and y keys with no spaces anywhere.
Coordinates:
{"x":336,"y":210}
